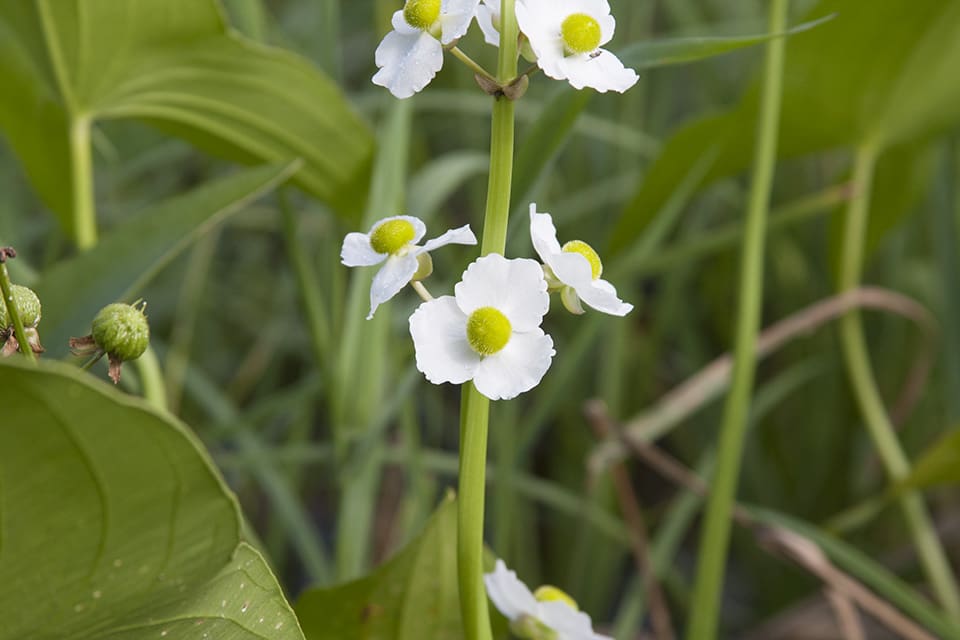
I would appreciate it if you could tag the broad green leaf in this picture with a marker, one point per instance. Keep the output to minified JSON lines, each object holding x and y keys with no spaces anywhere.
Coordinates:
{"x":939,"y":465}
{"x":73,"y":290}
{"x":876,"y":72}
{"x":554,"y":125}
{"x":67,"y":63}
{"x":115,"y":524}
{"x":411,"y":597}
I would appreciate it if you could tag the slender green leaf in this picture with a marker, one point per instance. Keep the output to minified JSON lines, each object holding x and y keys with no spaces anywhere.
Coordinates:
{"x":938,"y":465}
{"x":115,"y":524}
{"x":876,"y":85}
{"x":73,"y":290}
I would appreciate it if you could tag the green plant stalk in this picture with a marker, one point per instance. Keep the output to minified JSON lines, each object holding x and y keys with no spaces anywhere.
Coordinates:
{"x":475,"y":408}
{"x":6,"y":289}
{"x":151,"y":379}
{"x":932,"y":557}
{"x":81,"y":166}
{"x":715,"y":538}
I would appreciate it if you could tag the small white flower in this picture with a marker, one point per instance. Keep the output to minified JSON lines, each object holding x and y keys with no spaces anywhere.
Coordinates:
{"x":546,"y":613}
{"x":574,"y":268}
{"x":410,"y":55}
{"x":489,"y":331}
{"x":488,"y":17}
{"x":567,"y":35}
{"x":394,"y":240}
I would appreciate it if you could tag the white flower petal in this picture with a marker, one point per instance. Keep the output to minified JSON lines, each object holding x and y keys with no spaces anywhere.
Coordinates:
{"x":400,"y":24}
{"x":543,"y":234}
{"x":439,"y":331}
{"x":508,"y":594}
{"x":392,"y":277}
{"x":516,"y":287}
{"x":455,"y":18}
{"x":567,"y":622}
{"x":602,"y":296}
{"x":461,"y":235}
{"x":357,"y":252}
{"x":600,"y":70}
{"x":488,"y":16}
{"x":572,"y":269}
{"x":407,"y":61}
{"x":516,"y":368}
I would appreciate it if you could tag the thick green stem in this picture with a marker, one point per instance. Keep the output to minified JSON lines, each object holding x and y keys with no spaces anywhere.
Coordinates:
{"x":475,"y":410}
{"x":6,"y":289}
{"x":932,"y":557}
{"x":81,"y":163}
{"x":705,"y":608}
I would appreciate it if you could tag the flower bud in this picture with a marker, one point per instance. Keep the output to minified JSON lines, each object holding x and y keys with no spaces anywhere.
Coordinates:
{"x":122,"y":331}
{"x":424,"y":267}
{"x":27,"y":305}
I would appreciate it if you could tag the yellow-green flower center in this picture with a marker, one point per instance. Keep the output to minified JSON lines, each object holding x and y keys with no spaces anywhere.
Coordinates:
{"x":581,"y":33}
{"x":547,"y":593}
{"x":391,"y":236}
{"x":581,"y":247}
{"x":488,"y":330}
{"x":421,"y":13}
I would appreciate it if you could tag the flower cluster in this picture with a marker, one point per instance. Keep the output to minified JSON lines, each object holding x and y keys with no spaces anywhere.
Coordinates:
{"x":489,"y":331}
{"x":565,"y":39}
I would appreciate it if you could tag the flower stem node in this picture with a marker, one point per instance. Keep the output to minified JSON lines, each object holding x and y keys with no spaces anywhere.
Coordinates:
{"x":120,"y":331}
{"x":27,"y":304}
{"x":488,"y":330}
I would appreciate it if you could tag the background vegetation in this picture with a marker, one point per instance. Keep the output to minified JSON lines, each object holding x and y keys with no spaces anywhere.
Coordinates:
{"x":337,"y":447}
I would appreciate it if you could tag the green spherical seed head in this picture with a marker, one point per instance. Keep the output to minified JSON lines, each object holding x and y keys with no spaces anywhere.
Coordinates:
{"x":581,"y":247}
{"x":391,"y":236}
{"x":28,"y":306}
{"x":581,"y":33}
{"x":122,"y":331}
{"x":488,"y":330}
{"x":421,"y":13}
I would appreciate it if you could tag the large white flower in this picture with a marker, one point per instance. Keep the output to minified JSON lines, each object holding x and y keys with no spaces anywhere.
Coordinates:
{"x":545,"y":613}
{"x":489,"y":331}
{"x":567,"y":35}
{"x":410,"y":55}
{"x":394,"y":240}
{"x":574,"y":269}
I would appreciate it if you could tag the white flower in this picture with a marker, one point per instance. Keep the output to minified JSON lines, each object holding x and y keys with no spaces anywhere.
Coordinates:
{"x":410,"y":55}
{"x":489,"y":331}
{"x":566,"y":35}
{"x":574,"y":268}
{"x":395,"y":240}
{"x":488,"y":17}
{"x":530,"y":612}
